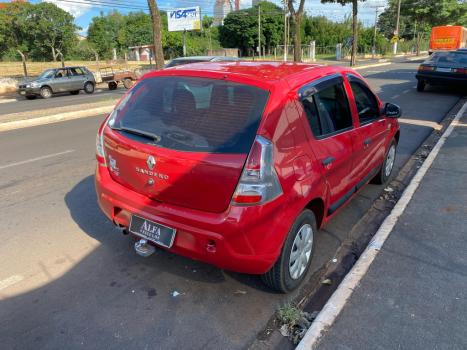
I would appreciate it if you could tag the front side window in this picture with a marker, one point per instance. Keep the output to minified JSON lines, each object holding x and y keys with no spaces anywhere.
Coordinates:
{"x":367,"y":104}
{"x":327,"y":110}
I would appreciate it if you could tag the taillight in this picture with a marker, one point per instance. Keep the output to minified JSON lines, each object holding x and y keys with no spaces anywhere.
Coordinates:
{"x":426,"y":68}
{"x":259,"y":182}
{"x":461,"y":70}
{"x":100,"y":152}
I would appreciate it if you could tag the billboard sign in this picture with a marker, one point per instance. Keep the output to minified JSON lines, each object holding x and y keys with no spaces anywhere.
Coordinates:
{"x":188,"y":18}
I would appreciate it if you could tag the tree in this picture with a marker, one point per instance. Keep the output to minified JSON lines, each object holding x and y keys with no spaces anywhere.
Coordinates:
{"x":51,"y":29}
{"x":353,"y":58}
{"x":104,"y":33}
{"x":157,"y":33}
{"x":297,"y":15}
{"x":240,"y":28}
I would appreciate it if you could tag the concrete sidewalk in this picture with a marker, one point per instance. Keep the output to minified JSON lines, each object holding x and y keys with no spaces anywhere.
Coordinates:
{"x":414,"y":295}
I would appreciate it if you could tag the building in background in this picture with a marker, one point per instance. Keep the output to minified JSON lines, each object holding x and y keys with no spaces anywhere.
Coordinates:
{"x":221,"y":9}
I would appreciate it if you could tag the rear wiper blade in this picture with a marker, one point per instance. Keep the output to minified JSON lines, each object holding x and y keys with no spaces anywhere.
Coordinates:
{"x":147,"y":134}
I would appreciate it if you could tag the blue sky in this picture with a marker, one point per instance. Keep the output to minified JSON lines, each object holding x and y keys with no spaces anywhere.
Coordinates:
{"x":84,"y":10}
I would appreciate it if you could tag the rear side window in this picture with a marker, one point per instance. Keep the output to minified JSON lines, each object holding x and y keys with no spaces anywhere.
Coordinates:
{"x":193,"y":114}
{"x":327,"y":109}
{"x":76,"y":71}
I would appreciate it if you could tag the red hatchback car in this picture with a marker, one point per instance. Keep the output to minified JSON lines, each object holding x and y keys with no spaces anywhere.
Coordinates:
{"x":238,"y":164}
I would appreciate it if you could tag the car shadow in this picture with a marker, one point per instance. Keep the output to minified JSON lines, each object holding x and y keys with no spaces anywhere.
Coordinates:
{"x":82,"y":204}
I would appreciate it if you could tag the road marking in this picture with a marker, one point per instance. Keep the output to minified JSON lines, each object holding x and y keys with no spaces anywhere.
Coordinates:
{"x":396,"y":96}
{"x":7,"y":282}
{"x":36,"y":159}
{"x":8,"y":100}
{"x":373,"y":65}
{"x":339,"y":298}
{"x":406,"y":91}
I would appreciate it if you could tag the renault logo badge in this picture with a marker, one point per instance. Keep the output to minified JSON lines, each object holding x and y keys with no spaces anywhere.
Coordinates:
{"x":151,"y":162}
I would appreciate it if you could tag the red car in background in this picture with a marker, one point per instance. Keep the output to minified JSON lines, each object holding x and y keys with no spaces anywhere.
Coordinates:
{"x":238,"y":164}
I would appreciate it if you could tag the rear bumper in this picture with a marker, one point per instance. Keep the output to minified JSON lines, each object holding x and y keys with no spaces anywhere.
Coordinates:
{"x":247,"y":239}
{"x":437,"y":79}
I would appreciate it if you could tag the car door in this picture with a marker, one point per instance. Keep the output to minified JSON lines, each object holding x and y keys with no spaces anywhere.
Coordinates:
{"x":78,"y":78}
{"x":328,"y":124}
{"x":60,"y":80}
{"x":370,"y":135}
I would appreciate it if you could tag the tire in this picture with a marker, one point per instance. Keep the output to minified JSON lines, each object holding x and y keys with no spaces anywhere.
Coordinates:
{"x":75,"y":92}
{"x":89,"y":88}
{"x":46,"y":92}
{"x":127,"y":83}
{"x":386,"y":169}
{"x":31,"y":97}
{"x":285,"y":276}
{"x":421,"y":85}
{"x":112,"y":85}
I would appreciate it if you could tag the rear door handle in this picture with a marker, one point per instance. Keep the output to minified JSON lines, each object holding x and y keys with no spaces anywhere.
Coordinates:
{"x":328,"y":161}
{"x":367,"y":142}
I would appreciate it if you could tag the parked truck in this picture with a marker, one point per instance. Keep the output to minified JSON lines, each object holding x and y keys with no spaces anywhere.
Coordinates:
{"x":445,"y":38}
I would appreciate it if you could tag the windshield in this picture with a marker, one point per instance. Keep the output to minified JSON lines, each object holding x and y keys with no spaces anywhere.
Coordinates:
{"x":453,"y":58}
{"x":191,"y":114}
{"x":46,"y":74}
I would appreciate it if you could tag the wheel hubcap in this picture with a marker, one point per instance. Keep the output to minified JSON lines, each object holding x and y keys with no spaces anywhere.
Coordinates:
{"x":301,"y":251}
{"x":390,"y":160}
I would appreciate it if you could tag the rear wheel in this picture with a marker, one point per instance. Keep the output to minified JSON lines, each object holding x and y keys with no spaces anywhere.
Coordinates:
{"x":46,"y":92}
{"x":420,"y":85}
{"x":75,"y":92}
{"x":127,"y":83}
{"x":386,"y":169}
{"x":112,"y":85}
{"x":292,"y":265}
{"x":89,"y":87}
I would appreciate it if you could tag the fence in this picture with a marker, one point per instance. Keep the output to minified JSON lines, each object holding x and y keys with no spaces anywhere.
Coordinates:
{"x":15,"y":69}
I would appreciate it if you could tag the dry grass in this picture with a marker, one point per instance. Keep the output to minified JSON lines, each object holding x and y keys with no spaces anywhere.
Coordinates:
{"x":15,"y":69}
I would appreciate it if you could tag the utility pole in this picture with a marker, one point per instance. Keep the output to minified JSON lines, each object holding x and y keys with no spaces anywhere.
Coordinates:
{"x":396,"y":32}
{"x":259,"y":31}
{"x":285,"y":31}
{"x":157,"y":32}
{"x":376,"y":29}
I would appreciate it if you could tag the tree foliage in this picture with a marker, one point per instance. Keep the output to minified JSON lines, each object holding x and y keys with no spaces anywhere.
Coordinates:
{"x":39,"y":30}
{"x":421,"y":16}
{"x":240,"y":29}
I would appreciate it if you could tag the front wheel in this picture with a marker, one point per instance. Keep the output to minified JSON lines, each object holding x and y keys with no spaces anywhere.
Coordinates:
{"x":89,"y":87}
{"x":386,"y":169}
{"x":421,"y":85}
{"x":292,"y":265}
{"x":46,"y":92}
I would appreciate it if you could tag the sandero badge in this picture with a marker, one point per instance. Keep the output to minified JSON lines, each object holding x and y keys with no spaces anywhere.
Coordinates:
{"x":253,"y":158}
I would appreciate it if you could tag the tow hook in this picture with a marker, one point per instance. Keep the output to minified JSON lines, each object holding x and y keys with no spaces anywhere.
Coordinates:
{"x":143,"y":248}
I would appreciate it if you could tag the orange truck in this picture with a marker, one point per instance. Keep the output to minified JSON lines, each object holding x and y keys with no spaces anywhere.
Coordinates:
{"x":445,"y":38}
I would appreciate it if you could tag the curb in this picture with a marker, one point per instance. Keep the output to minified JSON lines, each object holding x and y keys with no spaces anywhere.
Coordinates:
{"x":55,"y":118}
{"x":373,"y":65}
{"x":342,"y":294}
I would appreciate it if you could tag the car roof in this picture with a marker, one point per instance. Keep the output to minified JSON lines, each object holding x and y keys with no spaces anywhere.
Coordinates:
{"x":261,"y":72}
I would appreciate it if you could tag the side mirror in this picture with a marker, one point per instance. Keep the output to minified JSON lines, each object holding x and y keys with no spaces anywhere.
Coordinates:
{"x":392,"y":110}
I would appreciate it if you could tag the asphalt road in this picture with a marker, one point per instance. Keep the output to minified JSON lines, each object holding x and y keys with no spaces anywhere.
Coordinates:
{"x":70,"y":280}
{"x":59,"y":100}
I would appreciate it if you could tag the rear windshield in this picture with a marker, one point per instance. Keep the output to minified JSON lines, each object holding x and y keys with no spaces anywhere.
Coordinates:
{"x":191,"y":114}
{"x":454,"y":58}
